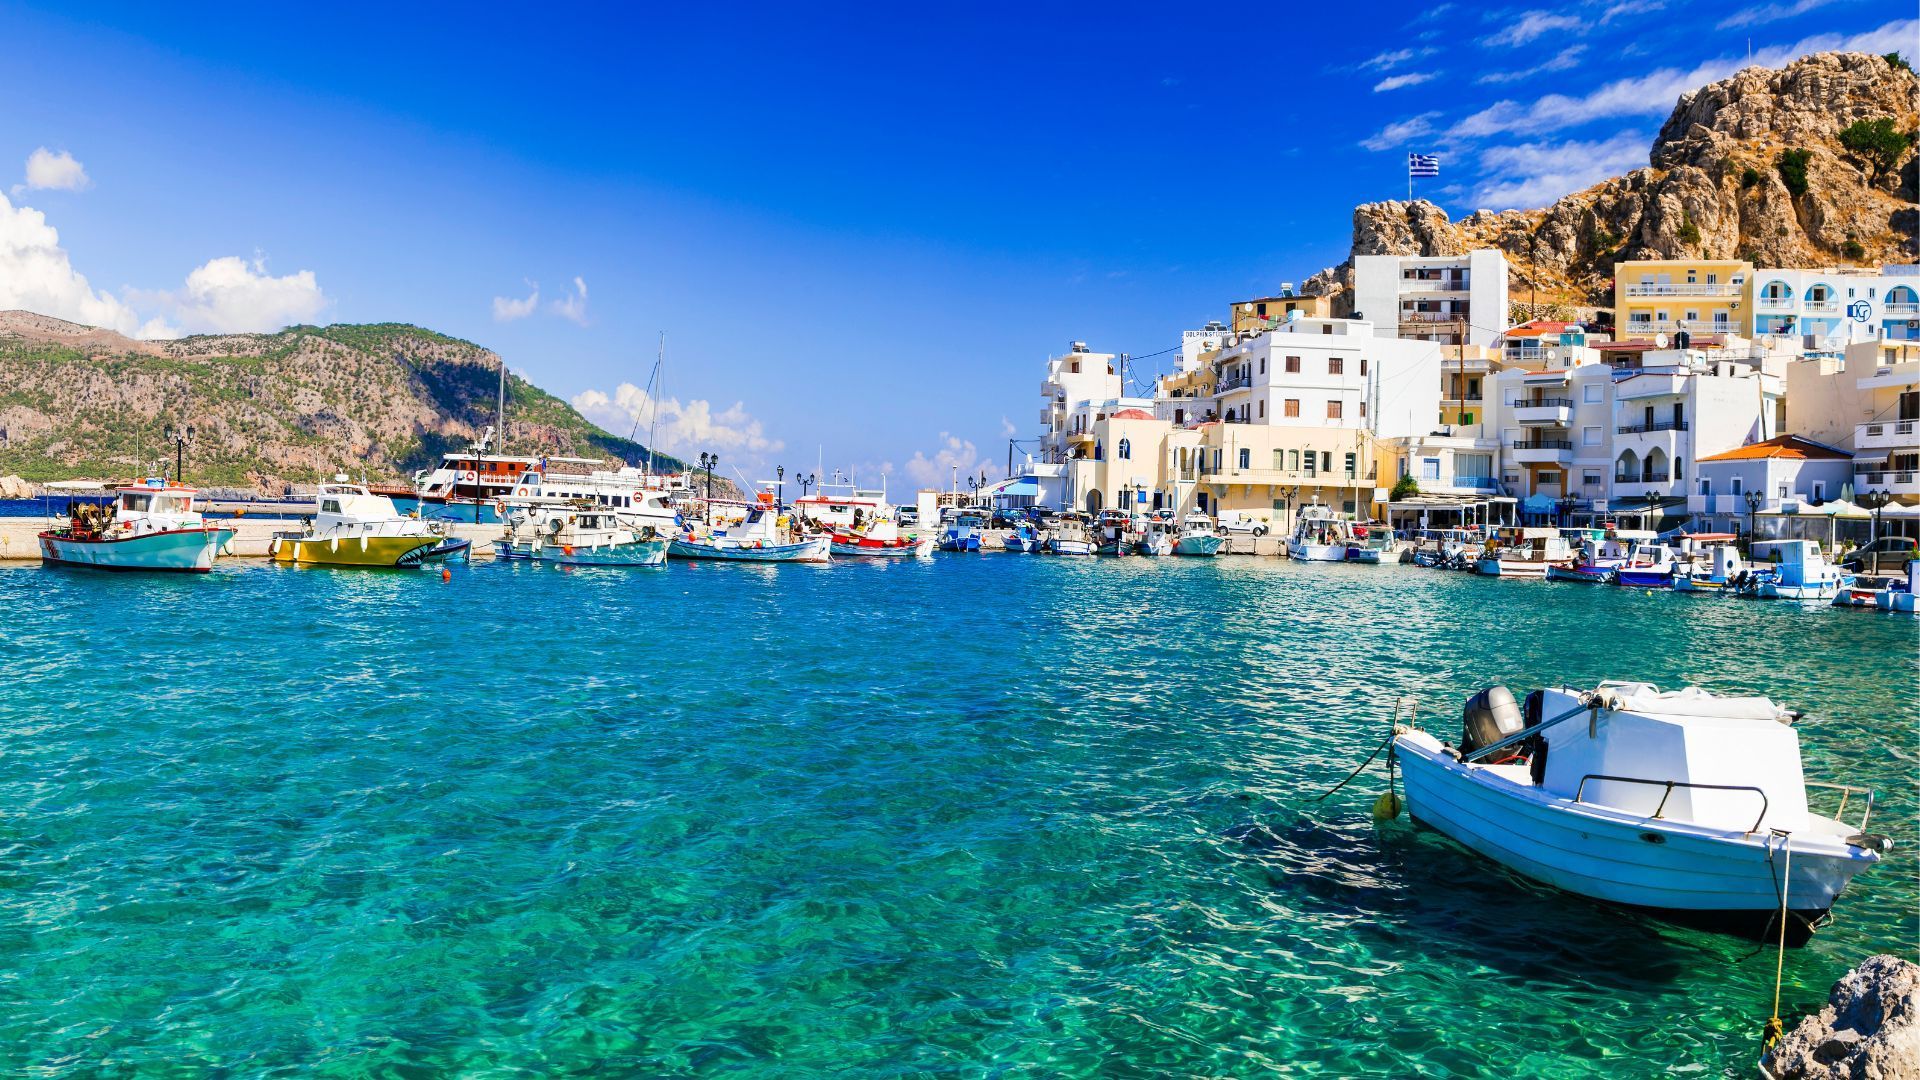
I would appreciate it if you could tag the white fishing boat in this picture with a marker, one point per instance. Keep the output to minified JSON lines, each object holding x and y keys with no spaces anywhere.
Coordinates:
{"x":1113,"y":533}
{"x":1070,"y":535}
{"x":1523,"y":552}
{"x":757,"y":537}
{"x":597,"y":537}
{"x":1793,"y":570}
{"x":1318,"y":536}
{"x":1685,"y":803}
{"x":1722,"y":566}
{"x":1899,"y":597}
{"x":352,"y":526}
{"x":1155,"y":536}
{"x":1022,"y":539}
{"x":1198,"y":536}
{"x":151,"y":525}
{"x":1372,"y":542}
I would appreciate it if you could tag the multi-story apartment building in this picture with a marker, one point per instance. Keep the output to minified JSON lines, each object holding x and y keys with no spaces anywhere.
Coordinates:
{"x":1554,"y":430}
{"x":1267,"y":312}
{"x":1677,"y":408}
{"x":1075,"y":379}
{"x":1699,"y":296}
{"x":1866,"y":401}
{"x":1452,"y":299}
{"x":1838,"y":304}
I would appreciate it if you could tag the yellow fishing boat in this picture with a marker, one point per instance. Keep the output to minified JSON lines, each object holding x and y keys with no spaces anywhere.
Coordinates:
{"x":351,"y":526}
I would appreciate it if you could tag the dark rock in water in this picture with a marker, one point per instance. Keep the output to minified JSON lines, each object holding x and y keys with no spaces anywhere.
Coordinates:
{"x":1869,"y":1030}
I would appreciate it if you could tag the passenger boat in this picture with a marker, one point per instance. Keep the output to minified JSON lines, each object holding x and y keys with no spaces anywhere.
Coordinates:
{"x":1071,"y":536}
{"x":879,"y":539}
{"x":963,"y":532}
{"x":474,"y":477}
{"x":591,"y":536}
{"x":1684,"y":803}
{"x":1155,"y":536}
{"x":1722,"y":566}
{"x":1022,"y":539}
{"x":1372,"y":542}
{"x":151,"y":525}
{"x":1113,"y":533}
{"x":758,"y":537}
{"x":1318,"y":536}
{"x":1522,"y":552}
{"x":1796,"y":571}
{"x":641,"y":498}
{"x":1198,"y":536}
{"x":352,"y":526}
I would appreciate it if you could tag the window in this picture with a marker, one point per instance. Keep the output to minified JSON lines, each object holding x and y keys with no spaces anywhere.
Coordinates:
{"x":1819,"y":491}
{"x":1737,"y":483}
{"x":1280,"y":505}
{"x":1292,"y":407}
{"x":1679,"y":468}
{"x":1326,"y":461}
{"x":1293,"y":461}
{"x":1713,"y":279}
{"x":1706,"y":486}
{"x":1293,"y":365}
{"x":1590,"y":477}
{"x":1336,"y":365}
{"x":1126,"y":450}
{"x":1363,"y":365}
{"x":1310,"y":462}
{"x":1363,"y":409}
{"x":1350,"y":466}
{"x":1263,"y":408}
{"x":1279,"y":460}
{"x":1333,"y":410}
{"x":1594,"y":394}
{"x":1783,"y":489}
{"x":1263,"y":365}
{"x":1590,"y":436}
{"x":1246,"y":458}
{"x":330,"y":506}
{"x":1693,"y":316}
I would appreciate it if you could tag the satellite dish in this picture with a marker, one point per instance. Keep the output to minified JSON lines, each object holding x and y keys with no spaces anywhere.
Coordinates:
{"x":1659,"y":341}
{"x":1244,"y":308}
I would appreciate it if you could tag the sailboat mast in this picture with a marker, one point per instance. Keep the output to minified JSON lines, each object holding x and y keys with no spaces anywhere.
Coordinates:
{"x":659,"y":379}
{"x":500,"y":412}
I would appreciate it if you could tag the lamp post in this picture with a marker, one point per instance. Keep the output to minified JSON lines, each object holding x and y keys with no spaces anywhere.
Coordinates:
{"x":1654,"y":501}
{"x":779,"y":486}
{"x":180,"y":437}
{"x":1753,"y":507}
{"x":806,"y":482}
{"x":1567,"y":503}
{"x":1875,"y":500}
{"x":707,"y":462}
{"x":973,"y":491}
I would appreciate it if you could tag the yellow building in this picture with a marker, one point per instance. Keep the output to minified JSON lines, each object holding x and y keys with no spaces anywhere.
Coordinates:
{"x":1270,"y":471}
{"x":1700,"y":296}
{"x":1266,"y":312}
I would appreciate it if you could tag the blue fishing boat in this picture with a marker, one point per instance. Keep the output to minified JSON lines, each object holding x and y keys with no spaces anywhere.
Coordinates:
{"x":963,"y":533}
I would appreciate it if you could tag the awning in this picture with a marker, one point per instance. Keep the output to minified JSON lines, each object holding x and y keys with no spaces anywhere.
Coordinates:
{"x":1539,"y":504}
{"x":1014,"y":487}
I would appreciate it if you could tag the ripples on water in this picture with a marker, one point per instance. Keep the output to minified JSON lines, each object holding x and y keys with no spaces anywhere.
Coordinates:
{"x":990,"y":815}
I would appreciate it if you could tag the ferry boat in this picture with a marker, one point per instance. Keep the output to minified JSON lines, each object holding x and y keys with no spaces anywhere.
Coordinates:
{"x":352,"y":526}
{"x":1198,"y":536}
{"x":1318,"y":536}
{"x":1071,"y":535}
{"x":755,"y":538}
{"x":1685,"y":803}
{"x":151,"y":525}
{"x":1522,"y":552}
{"x":600,"y":537}
{"x":473,"y":477}
{"x":879,"y":539}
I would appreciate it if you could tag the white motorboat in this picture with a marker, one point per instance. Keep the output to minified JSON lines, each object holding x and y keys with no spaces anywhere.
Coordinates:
{"x":1793,"y":570}
{"x":151,"y":525}
{"x":1523,"y":552}
{"x":1722,"y":566}
{"x":1155,"y":536}
{"x":1070,"y":535}
{"x":879,"y":538}
{"x":595,"y":537}
{"x":761,"y":536}
{"x":1896,"y":598}
{"x":1198,"y":536}
{"x":1373,"y":542}
{"x":1318,"y":536}
{"x":353,"y":526}
{"x":1685,"y":802}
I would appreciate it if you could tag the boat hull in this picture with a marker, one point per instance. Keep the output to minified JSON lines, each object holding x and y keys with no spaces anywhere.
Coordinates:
{"x":1159,"y":547}
{"x":1020,"y":545}
{"x":358,"y":551}
{"x":1644,"y":579}
{"x":1198,"y":545}
{"x":453,"y":549}
{"x":1700,"y":874}
{"x":638,"y":553}
{"x":190,"y":550}
{"x":817,"y":550}
{"x":1586,"y":575}
{"x":509,"y":551}
{"x":1363,"y":555}
{"x":1070,"y":547}
{"x":1511,"y":568}
{"x":1316,"y":552}
{"x":1684,"y":583}
{"x":906,"y":549}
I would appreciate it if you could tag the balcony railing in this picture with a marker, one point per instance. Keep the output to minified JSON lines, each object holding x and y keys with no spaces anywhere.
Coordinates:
{"x":1542,"y":444}
{"x":1449,"y":283}
{"x":1545,"y":403}
{"x":1901,"y":309}
{"x":1235,"y":383}
{"x":1658,"y":425}
{"x":1884,"y":433}
{"x":1691,"y":326}
{"x":1641,"y":478}
{"x":1821,"y":305}
{"x":1433,"y":316}
{"x":1775,"y":303}
{"x":1685,"y":288}
{"x":1866,"y":476}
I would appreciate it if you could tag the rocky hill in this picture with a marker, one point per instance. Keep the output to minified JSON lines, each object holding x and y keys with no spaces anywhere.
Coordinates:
{"x":1783,"y":168}
{"x":267,"y":409}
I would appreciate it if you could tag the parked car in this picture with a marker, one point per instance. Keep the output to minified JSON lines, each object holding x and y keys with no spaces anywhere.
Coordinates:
{"x":906,"y":515}
{"x":1885,"y":557}
{"x":1007,"y":517}
{"x":1240,"y":521}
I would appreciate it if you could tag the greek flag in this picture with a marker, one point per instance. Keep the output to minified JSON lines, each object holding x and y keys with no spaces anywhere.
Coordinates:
{"x":1423,"y":164}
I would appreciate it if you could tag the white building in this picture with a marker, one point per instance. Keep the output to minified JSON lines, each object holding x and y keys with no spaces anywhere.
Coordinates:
{"x":1074,"y":380}
{"x":1196,"y":344}
{"x":1838,"y":305}
{"x":1677,"y":408}
{"x":1433,"y":298}
{"x":1736,"y":486}
{"x":1554,"y":427}
{"x":1866,"y":402}
{"x":1330,"y":373}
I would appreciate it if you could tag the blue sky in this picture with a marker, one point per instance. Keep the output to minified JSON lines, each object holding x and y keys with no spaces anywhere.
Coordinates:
{"x":863,"y":230}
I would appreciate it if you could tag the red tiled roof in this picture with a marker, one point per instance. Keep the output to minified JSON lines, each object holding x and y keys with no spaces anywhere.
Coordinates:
{"x":1789,"y":447}
{"x":1131,"y":414}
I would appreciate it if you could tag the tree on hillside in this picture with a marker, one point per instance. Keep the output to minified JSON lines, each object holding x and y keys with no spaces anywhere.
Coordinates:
{"x":1793,"y":170}
{"x":1895,"y":60}
{"x":1878,"y":141}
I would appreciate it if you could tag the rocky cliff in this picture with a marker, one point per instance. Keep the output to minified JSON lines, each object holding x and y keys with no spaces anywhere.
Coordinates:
{"x":267,"y":409}
{"x":1760,"y":166}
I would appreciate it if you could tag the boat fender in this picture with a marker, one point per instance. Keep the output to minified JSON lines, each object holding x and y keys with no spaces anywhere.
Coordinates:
{"x":1871,"y":842}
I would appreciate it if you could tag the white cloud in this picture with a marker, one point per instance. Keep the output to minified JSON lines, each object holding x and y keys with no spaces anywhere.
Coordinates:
{"x":1411,"y":78}
{"x":682,"y":427}
{"x":573,"y":306}
{"x":1535,"y":174}
{"x":231,"y":295}
{"x":1007,"y":428}
{"x":1397,"y":133}
{"x":938,"y":471}
{"x":1385,"y":60}
{"x":1531,"y":25}
{"x":1631,"y":8}
{"x":1567,"y":58}
{"x":1756,"y":16}
{"x":1658,"y":91}
{"x":36,"y":275}
{"x":507,"y":309}
{"x":48,"y":171}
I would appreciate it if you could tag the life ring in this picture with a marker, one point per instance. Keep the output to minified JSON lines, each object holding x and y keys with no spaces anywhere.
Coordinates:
{"x":468,"y":476}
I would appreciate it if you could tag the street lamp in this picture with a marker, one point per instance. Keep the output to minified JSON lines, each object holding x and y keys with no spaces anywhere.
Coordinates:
{"x":1875,"y":500}
{"x":806,"y":482}
{"x":973,"y":491}
{"x":1655,"y":501}
{"x":1567,"y":503}
{"x":1753,"y":507}
{"x":707,"y":462}
{"x":180,"y":438}
{"x":779,"y":486}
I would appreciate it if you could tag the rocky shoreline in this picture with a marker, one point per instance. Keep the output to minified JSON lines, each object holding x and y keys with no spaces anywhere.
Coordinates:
{"x":1869,"y":1029}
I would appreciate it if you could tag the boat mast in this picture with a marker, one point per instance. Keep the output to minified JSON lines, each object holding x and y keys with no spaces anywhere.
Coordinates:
{"x":500,"y":412}
{"x":659,"y":377}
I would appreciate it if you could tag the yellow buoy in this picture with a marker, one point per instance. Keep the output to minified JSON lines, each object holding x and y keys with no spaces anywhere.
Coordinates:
{"x":1386,"y":807}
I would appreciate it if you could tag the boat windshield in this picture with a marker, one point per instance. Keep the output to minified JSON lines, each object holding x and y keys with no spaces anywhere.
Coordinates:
{"x":136,"y":500}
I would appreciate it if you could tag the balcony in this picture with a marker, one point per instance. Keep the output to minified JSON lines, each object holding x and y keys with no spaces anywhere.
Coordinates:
{"x":1446,"y":283}
{"x":1542,"y":451}
{"x":1640,"y":478}
{"x":1543,"y":412}
{"x":1433,"y":316}
{"x":1237,"y":382}
{"x":1892,"y":481}
{"x":1900,"y":309}
{"x":1649,"y":384}
{"x":1691,"y":326}
{"x":1688,"y":288}
{"x":1656,"y":426}
{"x":1821,"y":305}
{"x":1776,"y":303}
{"x":1887,"y":435}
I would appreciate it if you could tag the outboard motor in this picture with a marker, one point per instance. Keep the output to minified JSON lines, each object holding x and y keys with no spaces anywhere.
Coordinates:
{"x":1490,"y":715}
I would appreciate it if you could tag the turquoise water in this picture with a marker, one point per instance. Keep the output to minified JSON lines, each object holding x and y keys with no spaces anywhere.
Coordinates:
{"x":980,"y":816}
